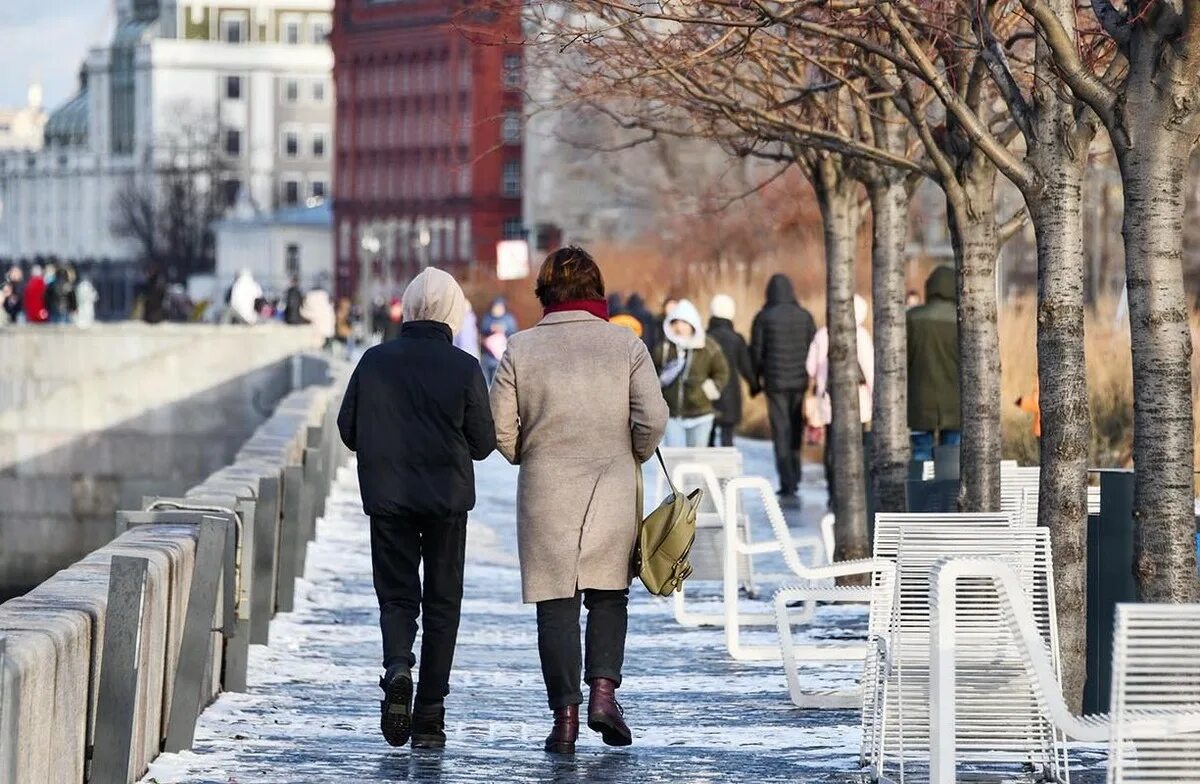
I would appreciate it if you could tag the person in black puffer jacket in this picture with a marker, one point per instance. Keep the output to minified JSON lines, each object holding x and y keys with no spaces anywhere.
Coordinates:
{"x":779,"y":343}
{"x":416,"y":411}
{"x":737,"y":355}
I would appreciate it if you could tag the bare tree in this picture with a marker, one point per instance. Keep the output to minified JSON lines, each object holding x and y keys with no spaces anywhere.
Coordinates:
{"x":169,"y":211}
{"x":1148,"y":104}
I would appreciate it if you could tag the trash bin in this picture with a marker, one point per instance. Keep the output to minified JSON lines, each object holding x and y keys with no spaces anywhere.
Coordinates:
{"x":1110,"y":580}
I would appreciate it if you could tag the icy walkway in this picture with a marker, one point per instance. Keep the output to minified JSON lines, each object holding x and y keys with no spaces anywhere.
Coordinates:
{"x":312,"y":713}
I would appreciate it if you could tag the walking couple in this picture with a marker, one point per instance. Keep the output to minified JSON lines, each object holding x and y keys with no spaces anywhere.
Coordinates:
{"x":576,"y":404}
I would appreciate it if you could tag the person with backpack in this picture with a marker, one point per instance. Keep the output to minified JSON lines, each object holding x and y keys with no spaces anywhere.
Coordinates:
{"x":779,"y":341}
{"x":577,"y":406}
{"x":693,"y":371}
{"x":416,"y":413}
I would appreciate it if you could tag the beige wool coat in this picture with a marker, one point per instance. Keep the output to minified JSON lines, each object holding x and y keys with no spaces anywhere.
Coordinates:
{"x":578,"y":407}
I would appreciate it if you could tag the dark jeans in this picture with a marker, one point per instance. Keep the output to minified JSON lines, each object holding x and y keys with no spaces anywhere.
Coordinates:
{"x":785,"y":410}
{"x":722,"y":434}
{"x":399,"y":545}
{"x":922,"y":442}
{"x":558,"y":642}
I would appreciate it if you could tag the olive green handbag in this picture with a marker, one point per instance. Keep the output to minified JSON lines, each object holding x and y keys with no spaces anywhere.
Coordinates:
{"x":665,"y":538}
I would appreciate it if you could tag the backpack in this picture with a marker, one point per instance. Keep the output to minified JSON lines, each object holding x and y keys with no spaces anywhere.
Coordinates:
{"x":665,"y":537}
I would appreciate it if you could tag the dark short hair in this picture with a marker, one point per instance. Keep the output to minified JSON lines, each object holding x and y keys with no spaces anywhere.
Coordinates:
{"x":568,"y":274}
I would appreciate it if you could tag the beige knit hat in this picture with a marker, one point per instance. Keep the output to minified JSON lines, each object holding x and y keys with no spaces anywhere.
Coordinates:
{"x":723,"y":306}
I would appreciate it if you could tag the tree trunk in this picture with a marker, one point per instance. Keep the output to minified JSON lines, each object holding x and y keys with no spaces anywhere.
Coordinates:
{"x":837,"y":197}
{"x":1058,"y":152}
{"x":891,"y":448}
{"x":1154,"y":170}
{"x":971,"y":211}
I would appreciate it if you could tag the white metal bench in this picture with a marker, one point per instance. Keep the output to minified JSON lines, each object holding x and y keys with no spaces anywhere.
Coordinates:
{"x":1154,"y":729}
{"x":895,"y":683}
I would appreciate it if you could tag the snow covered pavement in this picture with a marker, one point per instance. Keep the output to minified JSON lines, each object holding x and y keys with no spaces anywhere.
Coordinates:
{"x":312,"y":711}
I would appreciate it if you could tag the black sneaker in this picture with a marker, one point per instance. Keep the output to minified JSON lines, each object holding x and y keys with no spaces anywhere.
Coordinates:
{"x":396,"y":707}
{"x":429,"y":726}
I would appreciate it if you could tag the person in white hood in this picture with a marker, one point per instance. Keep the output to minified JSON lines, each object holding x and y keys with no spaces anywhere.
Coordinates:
{"x":692,"y":372}
{"x":243,"y":296}
{"x":819,"y":411}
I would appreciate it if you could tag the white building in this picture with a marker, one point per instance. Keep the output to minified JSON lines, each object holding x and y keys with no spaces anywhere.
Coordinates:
{"x":21,"y":128}
{"x":252,"y":74}
{"x":275,"y":247}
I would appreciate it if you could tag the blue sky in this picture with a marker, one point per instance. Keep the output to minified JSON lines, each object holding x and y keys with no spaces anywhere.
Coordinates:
{"x":46,"y":40}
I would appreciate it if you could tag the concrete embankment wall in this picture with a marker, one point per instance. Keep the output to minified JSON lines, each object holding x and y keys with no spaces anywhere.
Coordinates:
{"x":100,"y":417}
{"x":68,"y":713}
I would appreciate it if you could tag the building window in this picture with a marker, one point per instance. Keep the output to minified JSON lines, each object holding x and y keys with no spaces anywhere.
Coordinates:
{"x":318,"y":144}
{"x":291,"y":144}
{"x":291,"y":192}
{"x":233,"y":88}
{"x":510,"y":129}
{"x":291,"y":90}
{"x":291,"y":31}
{"x":465,"y":252}
{"x":464,"y":179}
{"x":230,"y":189}
{"x":510,"y":182}
{"x":512,"y":71}
{"x":318,"y":91}
{"x":291,"y":260}
{"x":317,"y":189}
{"x":514,"y":229}
{"x":233,"y":29}
{"x":233,"y":142}
{"x":320,"y":30}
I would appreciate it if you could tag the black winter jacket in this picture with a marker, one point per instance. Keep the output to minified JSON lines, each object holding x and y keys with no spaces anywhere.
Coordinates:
{"x":779,"y":339}
{"x":416,"y":412}
{"x":737,"y":355}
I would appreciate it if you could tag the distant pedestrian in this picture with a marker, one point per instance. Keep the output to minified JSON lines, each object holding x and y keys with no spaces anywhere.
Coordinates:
{"x":318,"y":311}
{"x":416,"y":412}
{"x":244,"y":298}
{"x":392,"y":322}
{"x":817,"y":366}
{"x":293,"y":303}
{"x":467,"y":338}
{"x":1031,"y":404}
{"x":934,"y":410}
{"x":636,"y":306}
{"x":692,"y":371}
{"x":578,"y":408}
{"x":728,"y":408}
{"x":495,"y":329}
{"x":60,"y":293}
{"x":86,"y":297}
{"x":13,"y":294}
{"x":779,"y":341}
{"x":35,"y":297}
{"x":628,"y":321}
{"x":153,"y":297}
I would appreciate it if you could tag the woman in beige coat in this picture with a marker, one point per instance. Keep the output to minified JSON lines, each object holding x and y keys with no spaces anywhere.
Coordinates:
{"x":577,"y":405}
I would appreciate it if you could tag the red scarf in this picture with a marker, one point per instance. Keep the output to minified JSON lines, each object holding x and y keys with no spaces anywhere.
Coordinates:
{"x":597,"y":307}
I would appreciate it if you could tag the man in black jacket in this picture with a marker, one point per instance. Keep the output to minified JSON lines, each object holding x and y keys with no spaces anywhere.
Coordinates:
{"x":416,"y":411}
{"x":779,"y":343}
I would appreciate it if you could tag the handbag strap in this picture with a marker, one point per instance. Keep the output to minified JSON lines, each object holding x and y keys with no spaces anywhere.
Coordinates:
{"x":641,"y":490}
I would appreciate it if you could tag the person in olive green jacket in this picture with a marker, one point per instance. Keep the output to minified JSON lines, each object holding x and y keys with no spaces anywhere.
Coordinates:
{"x":692,"y":371}
{"x":934,"y":408}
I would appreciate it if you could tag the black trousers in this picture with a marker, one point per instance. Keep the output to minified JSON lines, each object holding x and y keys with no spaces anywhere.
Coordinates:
{"x":722,"y":434}
{"x":558,"y":642}
{"x":785,"y":410}
{"x":399,"y":545}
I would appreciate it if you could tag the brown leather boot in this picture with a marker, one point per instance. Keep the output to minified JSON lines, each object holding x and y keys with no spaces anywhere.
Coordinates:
{"x":605,"y":714}
{"x":561,"y":739}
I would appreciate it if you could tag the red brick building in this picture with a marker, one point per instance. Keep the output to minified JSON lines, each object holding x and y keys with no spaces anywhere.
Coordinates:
{"x":428,"y":137}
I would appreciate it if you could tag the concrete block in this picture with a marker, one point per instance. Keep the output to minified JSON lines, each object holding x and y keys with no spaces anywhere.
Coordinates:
{"x":70,"y":659}
{"x":27,"y":683}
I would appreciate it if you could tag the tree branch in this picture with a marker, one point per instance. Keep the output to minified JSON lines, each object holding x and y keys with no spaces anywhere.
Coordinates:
{"x":1085,"y":84}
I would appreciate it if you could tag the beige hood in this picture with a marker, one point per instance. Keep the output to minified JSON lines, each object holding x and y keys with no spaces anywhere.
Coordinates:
{"x":434,"y":295}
